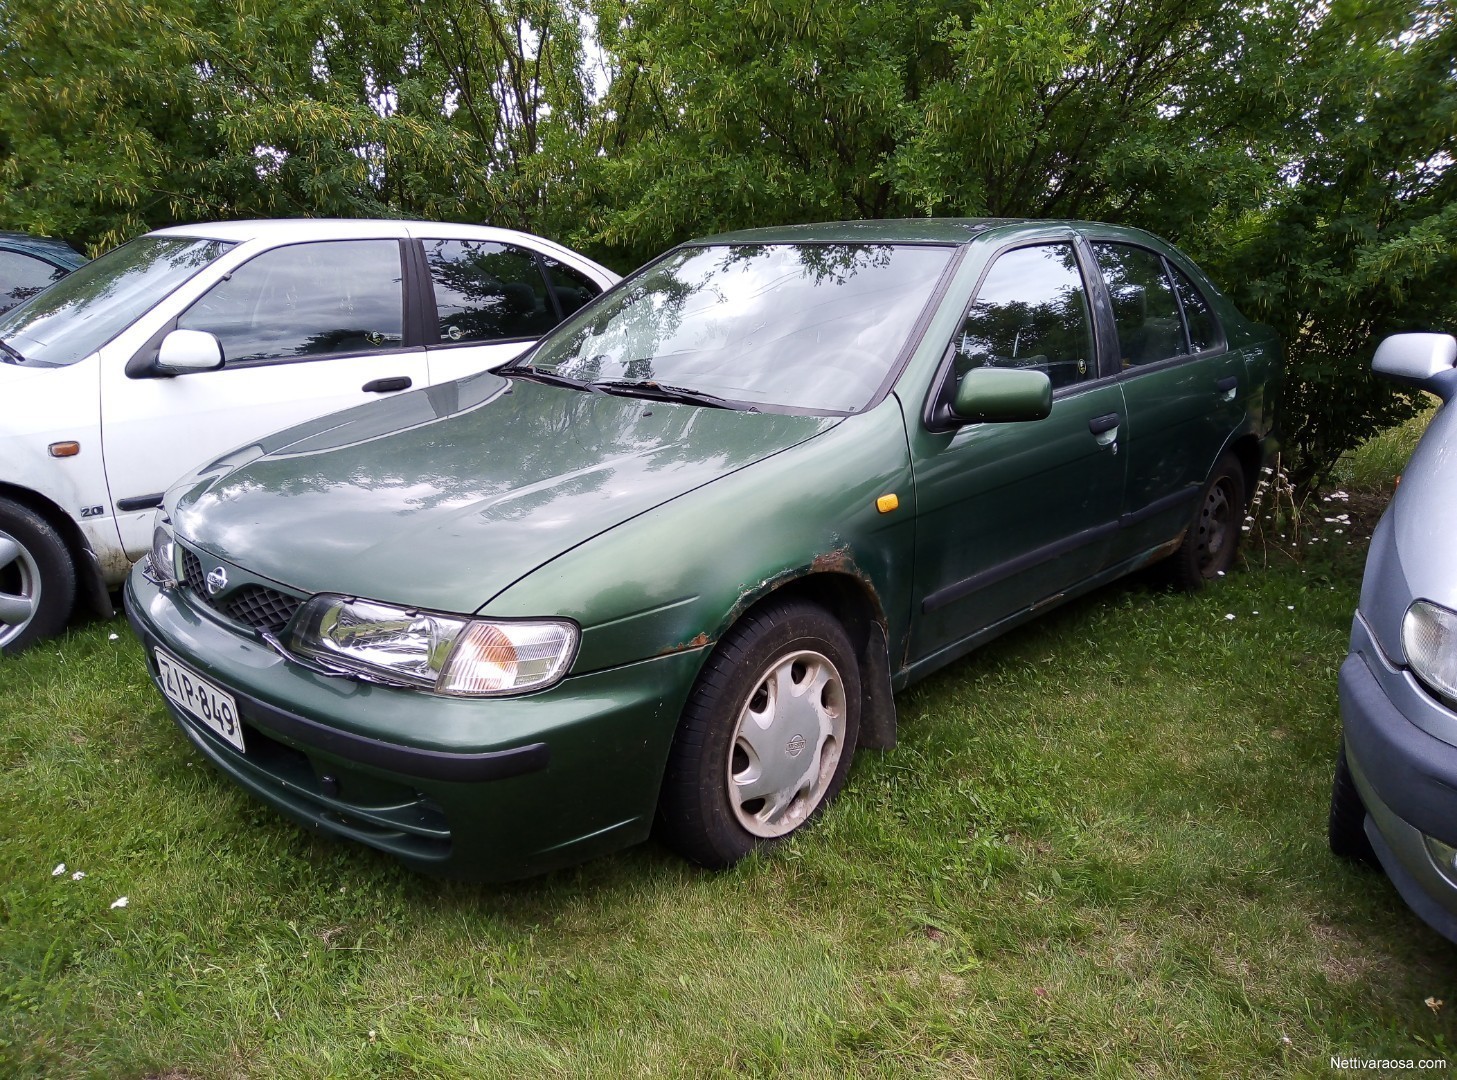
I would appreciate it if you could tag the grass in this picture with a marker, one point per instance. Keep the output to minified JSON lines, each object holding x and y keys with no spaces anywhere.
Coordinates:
{"x":1098,"y":850}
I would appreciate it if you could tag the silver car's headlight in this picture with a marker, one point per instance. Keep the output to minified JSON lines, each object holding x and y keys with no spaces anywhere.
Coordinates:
{"x":1429,"y":639}
{"x":449,"y":654}
{"x":162,"y":559}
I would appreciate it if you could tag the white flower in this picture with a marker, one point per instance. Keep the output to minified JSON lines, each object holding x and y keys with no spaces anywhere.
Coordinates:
{"x":78,"y":875}
{"x":114,"y":637}
{"x":1230,"y":616}
{"x":120,"y":901}
{"x":59,"y":870}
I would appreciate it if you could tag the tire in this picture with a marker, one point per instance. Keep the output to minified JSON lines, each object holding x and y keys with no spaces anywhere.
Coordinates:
{"x":766,"y":738}
{"x":37,"y":579}
{"x":1212,"y":539}
{"x":1347,"y":827}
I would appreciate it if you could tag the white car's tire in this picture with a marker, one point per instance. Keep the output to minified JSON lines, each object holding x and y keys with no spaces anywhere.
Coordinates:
{"x":37,"y":579}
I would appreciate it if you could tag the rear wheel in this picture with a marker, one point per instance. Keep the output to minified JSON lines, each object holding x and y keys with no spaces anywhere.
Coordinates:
{"x":766,"y":738}
{"x":1209,"y":545}
{"x":37,"y":579}
{"x":1347,"y":826}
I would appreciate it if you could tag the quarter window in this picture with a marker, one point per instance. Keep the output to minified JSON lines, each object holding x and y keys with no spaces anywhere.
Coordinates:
{"x":1144,"y":307}
{"x":487,"y":292}
{"x":1031,"y":312}
{"x":1202,"y":332}
{"x":307,"y":300}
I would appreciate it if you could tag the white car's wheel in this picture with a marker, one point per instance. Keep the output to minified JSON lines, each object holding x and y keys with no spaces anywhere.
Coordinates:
{"x":37,"y":579}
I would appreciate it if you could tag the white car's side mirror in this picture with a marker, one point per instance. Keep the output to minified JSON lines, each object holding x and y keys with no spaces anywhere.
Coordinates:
{"x":1419,"y":360}
{"x":183,"y":351}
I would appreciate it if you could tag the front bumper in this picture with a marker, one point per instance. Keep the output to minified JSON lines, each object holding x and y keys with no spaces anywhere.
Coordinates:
{"x":482,"y":789}
{"x":1406,"y":775}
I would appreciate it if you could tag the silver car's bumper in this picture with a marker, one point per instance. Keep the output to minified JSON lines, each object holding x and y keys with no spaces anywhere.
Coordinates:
{"x":1407,"y":776}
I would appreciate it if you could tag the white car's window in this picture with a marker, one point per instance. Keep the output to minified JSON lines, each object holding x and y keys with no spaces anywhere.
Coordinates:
{"x":1031,"y":312}
{"x":331,"y":298}
{"x":572,"y":289}
{"x":487,"y":292}
{"x":90,"y":306}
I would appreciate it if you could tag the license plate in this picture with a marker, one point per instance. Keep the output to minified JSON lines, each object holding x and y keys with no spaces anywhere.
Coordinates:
{"x":200,"y":699}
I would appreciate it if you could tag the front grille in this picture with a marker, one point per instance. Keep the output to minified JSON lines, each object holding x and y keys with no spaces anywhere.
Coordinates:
{"x":192,"y":573}
{"x":257,"y":606}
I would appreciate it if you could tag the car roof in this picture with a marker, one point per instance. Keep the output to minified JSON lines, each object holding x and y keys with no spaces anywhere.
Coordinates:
{"x":947,"y":230}
{"x":55,"y":251}
{"x":271,"y":230}
{"x":878,"y":231}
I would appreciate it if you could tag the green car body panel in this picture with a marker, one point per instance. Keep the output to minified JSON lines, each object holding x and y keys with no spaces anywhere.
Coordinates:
{"x":653,"y":526}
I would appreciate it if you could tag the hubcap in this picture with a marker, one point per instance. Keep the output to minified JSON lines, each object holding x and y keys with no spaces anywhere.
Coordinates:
{"x":787,"y":744}
{"x":1216,"y":518}
{"x":19,"y":588}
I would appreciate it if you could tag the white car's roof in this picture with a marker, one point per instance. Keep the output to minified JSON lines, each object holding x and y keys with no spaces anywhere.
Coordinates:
{"x":295,"y":230}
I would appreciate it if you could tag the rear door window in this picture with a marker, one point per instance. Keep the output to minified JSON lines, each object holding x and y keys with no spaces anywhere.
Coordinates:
{"x":572,"y":290}
{"x":487,"y":292}
{"x":1145,"y":308}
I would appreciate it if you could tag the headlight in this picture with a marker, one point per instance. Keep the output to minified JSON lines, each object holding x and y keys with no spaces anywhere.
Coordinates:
{"x":1429,"y":639}
{"x":162,"y":559}
{"x":450,"y":654}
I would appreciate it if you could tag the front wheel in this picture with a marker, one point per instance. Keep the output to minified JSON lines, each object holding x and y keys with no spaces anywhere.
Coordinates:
{"x":37,"y":580}
{"x":766,"y":738}
{"x":1212,"y":538}
{"x":1346,"y":825}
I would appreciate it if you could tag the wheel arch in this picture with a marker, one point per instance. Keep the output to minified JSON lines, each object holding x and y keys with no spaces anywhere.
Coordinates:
{"x":832,"y":583}
{"x":89,"y":577}
{"x":1246,"y":449}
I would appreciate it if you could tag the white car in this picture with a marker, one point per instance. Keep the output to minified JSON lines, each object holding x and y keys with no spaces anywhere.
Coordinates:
{"x":188,"y":341}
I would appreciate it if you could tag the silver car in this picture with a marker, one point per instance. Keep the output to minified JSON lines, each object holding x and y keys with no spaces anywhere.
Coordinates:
{"x":1394,"y":800}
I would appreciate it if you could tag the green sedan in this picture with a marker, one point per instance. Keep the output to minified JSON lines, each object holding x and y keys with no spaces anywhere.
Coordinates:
{"x":665,"y":572}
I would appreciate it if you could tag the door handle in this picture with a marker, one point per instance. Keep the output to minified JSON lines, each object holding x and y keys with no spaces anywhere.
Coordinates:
{"x":1227,"y":386}
{"x":1105,"y":429}
{"x":387,"y":386}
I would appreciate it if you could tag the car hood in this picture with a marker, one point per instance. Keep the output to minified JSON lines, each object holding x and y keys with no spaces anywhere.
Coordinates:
{"x":443,"y":497}
{"x":1424,"y":512}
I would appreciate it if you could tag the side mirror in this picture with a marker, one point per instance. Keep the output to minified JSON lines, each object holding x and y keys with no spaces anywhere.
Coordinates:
{"x":1423,"y":361}
{"x":184,"y":351}
{"x":1002,"y":395}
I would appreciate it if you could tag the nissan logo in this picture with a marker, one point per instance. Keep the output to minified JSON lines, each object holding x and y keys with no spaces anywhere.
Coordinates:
{"x":216,"y":580}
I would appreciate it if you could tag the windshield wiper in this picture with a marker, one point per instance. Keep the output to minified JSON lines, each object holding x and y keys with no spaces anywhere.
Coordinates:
{"x":656,"y":391}
{"x":11,"y":352}
{"x":550,"y":379}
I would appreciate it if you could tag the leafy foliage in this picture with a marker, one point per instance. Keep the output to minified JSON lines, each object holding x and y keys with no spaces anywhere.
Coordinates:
{"x":1303,"y":149}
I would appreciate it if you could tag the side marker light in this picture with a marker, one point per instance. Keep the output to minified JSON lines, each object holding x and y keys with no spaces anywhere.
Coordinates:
{"x":886,"y":503}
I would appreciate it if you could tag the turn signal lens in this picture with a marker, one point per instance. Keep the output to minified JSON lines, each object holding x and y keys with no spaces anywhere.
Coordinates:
{"x":508,"y":657}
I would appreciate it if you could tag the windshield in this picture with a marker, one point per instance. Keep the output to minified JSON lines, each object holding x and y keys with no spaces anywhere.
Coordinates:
{"x":84,"y":310}
{"x":812,"y":327}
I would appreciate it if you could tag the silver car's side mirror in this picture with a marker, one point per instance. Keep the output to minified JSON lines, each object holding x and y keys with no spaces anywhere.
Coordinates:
{"x":183,"y":351}
{"x":1425,"y":361}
